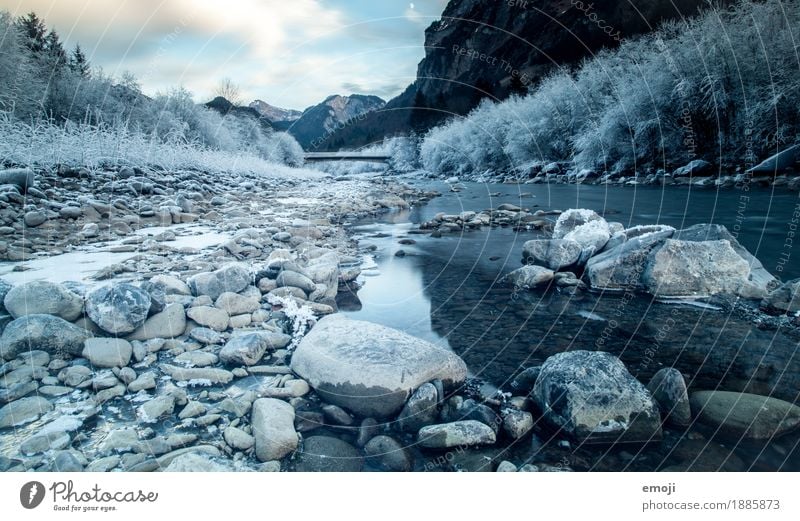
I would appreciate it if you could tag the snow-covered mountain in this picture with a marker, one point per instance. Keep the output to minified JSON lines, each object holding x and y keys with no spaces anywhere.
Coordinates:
{"x":275,"y":114}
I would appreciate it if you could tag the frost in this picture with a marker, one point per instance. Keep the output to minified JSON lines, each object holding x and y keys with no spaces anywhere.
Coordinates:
{"x":196,"y":382}
{"x":302,"y":318}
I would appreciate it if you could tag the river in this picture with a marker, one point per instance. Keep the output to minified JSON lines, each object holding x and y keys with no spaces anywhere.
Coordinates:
{"x":446,"y":290}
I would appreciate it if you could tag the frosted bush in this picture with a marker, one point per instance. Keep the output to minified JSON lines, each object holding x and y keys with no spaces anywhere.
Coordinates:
{"x":302,"y":318}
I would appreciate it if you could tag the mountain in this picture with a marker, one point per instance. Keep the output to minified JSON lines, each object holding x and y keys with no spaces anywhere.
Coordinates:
{"x":275,"y":114}
{"x":314,"y":128}
{"x":225,"y":107}
{"x":482,"y":49}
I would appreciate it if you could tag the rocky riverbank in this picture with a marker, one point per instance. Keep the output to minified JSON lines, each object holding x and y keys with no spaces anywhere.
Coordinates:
{"x":232,"y":357}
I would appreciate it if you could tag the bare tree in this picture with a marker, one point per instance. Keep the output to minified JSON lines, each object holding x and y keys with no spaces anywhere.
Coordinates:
{"x":229,"y":90}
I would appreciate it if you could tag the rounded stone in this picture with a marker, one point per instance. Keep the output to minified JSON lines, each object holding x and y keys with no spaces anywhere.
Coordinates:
{"x":118,"y":308}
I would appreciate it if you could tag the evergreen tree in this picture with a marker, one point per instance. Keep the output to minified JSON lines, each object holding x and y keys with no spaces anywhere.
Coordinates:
{"x":54,"y":51}
{"x":33,"y":31}
{"x":78,"y":63}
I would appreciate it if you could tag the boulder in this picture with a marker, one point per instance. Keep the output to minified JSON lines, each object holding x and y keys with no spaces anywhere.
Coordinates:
{"x":621,"y":268}
{"x":759,"y":276}
{"x":23,"y":178}
{"x":24,"y":410}
{"x":171,"y":285}
{"x":591,"y":396}
{"x":118,"y":308}
{"x":233,"y":277}
{"x":214,"y":318}
{"x":45,"y":298}
{"x":170,"y":323}
{"x":698,"y":167}
{"x":529,"y":277}
{"x":420,"y":410}
{"x":368,"y":368}
{"x":44,"y":332}
{"x":235,"y":304}
{"x":745,"y":416}
{"x":466,"y":433}
{"x":688,"y":269}
{"x":248,"y":348}
{"x":107,"y":352}
{"x":571,"y":219}
{"x":591,"y":236}
{"x":778,"y":163}
{"x":295,"y":280}
{"x":555,"y":254}
{"x":388,"y":454}
{"x":273,"y":429}
{"x":668,"y":389}
{"x":784,"y":299}
{"x":328,"y":454}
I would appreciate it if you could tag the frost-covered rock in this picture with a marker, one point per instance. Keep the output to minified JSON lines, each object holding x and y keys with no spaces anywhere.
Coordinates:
{"x":592,"y":236}
{"x":593,"y":397}
{"x":694,"y":168}
{"x":571,"y":219}
{"x":118,"y":308}
{"x":783,"y":299}
{"x":555,"y":254}
{"x":368,"y":368}
{"x":621,"y":268}
{"x":47,"y":332}
{"x":529,"y":277}
{"x":43,"y":297}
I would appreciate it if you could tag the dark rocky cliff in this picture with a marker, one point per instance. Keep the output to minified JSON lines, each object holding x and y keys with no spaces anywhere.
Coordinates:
{"x":493,"y":49}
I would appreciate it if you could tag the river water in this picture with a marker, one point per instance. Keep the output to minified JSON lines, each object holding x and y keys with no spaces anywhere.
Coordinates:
{"x":446,"y":290}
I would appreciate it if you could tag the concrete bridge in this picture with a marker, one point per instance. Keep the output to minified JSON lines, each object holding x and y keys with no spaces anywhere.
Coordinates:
{"x":312,"y":157}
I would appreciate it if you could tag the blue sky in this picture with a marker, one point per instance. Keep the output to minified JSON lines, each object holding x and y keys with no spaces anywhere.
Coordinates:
{"x":290,"y":53}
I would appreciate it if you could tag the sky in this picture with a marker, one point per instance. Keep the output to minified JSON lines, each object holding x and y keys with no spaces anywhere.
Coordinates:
{"x":289,"y":53}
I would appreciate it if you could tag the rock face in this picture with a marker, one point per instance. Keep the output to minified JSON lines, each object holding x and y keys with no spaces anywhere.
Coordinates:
{"x":46,"y":332}
{"x":107,"y":352}
{"x":119,"y":308}
{"x":368,"y":368}
{"x":686,"y":268}
{"x":669,"y":390}
{"x":273,"y":428}
{"x":742,"y":415}
{"x":466,"y":433}
{"x":233,"y":277}
{"x":555,"y":254}
{"x":593,"y":397}
{"x":529,"y":277}
{"x":42,"y":297}
{"x":248,"y":348}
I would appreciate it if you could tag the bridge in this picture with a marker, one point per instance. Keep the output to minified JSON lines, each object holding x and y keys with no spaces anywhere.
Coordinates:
{"x":312,"y":157}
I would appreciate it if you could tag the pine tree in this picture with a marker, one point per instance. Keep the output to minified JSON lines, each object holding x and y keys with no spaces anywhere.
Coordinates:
{"x":78,"y":63}
{"x":56,"y":55}
{"x":33,"y":31}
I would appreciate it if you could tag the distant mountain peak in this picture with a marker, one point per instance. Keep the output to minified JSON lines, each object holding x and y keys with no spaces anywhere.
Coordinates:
{"x":275,"y":114}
